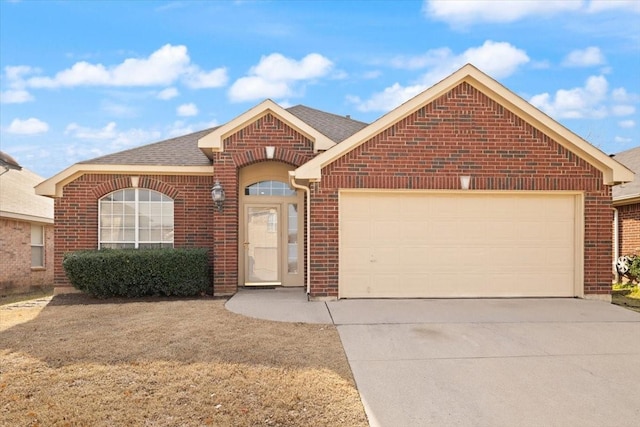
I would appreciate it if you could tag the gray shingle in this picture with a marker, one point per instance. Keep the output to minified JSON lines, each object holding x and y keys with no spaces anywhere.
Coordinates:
{"x":631,"y":159}
{"x":180,"y":151}
{"x":337,"y":128}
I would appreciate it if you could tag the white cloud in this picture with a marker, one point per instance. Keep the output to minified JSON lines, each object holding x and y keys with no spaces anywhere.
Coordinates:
{"x":197,"y":79}
{"x":388,"y":98}
{"x":163,"y":67}
{"x":30,"y":126}
{"x":596,"y":6}
{"x":168,"y":93}
{"x":622,"y":140}
{"x":621,"y":95}
{"x":15,"y":96}
{"x":623,"y":110}
{"x":588,"y":57}
{"x":498,"y":59}
{"x":115,"y":139}
{"x":277,"y":76}
{"x":180,"y":127}
{"x":580,"y":102}
{"x":80,"y":132}
{"x":118,"y":110}
{"x":627,"y":124}
{"x":463,"y":12}
{"x":187,"y":110}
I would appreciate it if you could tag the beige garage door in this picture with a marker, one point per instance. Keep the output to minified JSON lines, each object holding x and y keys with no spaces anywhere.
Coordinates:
{"x":463,"y":244}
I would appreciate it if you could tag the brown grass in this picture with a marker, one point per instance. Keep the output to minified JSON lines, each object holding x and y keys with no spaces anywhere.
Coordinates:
{"x":78,"y":362}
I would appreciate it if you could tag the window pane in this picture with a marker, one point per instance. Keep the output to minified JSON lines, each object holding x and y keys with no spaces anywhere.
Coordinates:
{"x":124,"y":220}
{"x":269,"y":188}
{"x":36,"y":235}
{"x":37,"y":256}
{"x":130,"y":195}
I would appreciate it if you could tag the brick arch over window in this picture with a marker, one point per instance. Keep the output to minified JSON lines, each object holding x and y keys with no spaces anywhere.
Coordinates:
{"x":259,"y":154}
{"x":144,"y":182}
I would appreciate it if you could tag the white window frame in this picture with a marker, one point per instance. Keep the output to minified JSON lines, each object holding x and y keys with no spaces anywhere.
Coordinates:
{"x":136,"y":242}
{"x":40,"y":246}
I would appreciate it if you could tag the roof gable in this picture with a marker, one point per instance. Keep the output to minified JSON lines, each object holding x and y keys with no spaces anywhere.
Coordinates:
{"x":612,"y":171}
{"x":213,"y":142}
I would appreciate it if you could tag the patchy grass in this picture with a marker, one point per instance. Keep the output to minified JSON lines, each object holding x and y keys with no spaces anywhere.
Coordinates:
{"x":627,"y":296}
{"x":79,"y":361}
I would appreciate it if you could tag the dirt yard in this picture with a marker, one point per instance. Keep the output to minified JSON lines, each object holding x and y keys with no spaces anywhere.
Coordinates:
{"x":74,"y":361}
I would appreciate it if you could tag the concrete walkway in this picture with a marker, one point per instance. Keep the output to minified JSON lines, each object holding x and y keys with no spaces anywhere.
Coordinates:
{"x":478,"y":362}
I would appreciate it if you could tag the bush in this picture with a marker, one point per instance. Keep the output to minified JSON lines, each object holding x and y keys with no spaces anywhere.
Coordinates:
{"x":138,"y":272}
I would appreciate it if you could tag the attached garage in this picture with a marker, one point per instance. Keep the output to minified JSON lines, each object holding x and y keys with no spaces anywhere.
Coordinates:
{"x":430,"y":244}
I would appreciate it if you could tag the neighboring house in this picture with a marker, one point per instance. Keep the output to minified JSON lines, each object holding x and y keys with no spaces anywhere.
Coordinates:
{"x":626,"y":201}
{"x":352,"y":210}
{"x":26,"y":230}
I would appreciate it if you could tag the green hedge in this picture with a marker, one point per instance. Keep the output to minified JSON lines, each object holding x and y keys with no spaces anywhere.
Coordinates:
{"x":138,"y":272}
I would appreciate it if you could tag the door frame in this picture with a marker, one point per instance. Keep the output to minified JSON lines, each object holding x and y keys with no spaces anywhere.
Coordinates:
{"x":271,"y":171}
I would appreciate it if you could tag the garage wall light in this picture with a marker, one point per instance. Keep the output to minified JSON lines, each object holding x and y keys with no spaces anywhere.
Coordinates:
{"x":465,"y":181}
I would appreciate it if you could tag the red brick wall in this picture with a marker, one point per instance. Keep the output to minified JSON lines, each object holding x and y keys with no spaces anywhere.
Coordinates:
{"x":241,"y":149}
{"x":461,"y":133}
{"x":76,"y":213}
{"x":16,"y":274}
{"x":629,"y":229}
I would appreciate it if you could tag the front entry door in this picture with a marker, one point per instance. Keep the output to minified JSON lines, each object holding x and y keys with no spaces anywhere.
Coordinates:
{"x":262,"y":245}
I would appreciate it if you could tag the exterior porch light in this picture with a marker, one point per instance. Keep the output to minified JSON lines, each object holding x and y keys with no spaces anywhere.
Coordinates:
{"x":270,"y":151}
{"x":465,"y":181}
{"x":217,"y":194}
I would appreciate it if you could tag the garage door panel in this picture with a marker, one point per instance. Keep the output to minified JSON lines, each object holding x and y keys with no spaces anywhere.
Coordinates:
{"x":458,"y":244}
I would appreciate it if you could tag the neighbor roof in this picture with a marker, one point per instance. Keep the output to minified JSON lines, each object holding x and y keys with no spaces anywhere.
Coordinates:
{"x":629,"y":192}
{"x":18,"y":199}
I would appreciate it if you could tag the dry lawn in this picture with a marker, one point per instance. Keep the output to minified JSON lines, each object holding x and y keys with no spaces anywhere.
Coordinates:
{"x":83,"y":362}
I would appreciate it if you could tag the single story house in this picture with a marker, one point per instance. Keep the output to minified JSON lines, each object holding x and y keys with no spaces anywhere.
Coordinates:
{"x":626,"y":202}
{"x":26,"y":230}
{"x":465,"y":190}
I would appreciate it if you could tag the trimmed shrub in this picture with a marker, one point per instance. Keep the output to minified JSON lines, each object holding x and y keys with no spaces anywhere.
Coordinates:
{"x":138,"y":272}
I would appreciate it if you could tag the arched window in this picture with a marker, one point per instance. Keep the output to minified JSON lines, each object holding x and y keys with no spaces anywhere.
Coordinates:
{"x":269,"y":188}
{"x":135,"y":218}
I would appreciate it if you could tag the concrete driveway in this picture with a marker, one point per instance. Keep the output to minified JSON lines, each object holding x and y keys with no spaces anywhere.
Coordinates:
{"x":479,"y":362}
{"x":488,"y":362}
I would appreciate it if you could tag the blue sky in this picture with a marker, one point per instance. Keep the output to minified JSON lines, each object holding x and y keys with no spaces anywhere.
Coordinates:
{"x":80,"y":79}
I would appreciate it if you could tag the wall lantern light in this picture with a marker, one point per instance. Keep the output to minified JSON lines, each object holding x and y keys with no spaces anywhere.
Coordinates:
{"x":217,"y":194}
{"x":465,"y":181}
{"x":270,"y":151}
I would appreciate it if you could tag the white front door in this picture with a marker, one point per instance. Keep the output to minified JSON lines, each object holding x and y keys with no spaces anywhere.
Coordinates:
{"x":262,"y":245}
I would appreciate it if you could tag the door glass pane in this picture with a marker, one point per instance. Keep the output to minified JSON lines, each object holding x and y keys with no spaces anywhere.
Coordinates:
{"x":292,"y":238}
{"x":262,"y":250}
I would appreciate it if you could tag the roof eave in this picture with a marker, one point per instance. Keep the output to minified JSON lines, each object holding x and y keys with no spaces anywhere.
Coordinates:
{"x":626,"y":200}
{"x":53,"y":187}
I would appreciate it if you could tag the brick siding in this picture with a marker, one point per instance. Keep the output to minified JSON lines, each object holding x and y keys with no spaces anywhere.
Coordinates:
{"x":16,"y":274}
{"x":76,"y":213}
{"x":462,"y":132}
{"x":243,"y":148}
{"x":629,"y":229}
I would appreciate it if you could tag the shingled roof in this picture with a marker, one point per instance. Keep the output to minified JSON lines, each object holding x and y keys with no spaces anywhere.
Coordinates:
{"x":337,"y":128}
{"x":184,"y":151}
{"x":631,"y":159}
{"x":180,"y":151}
